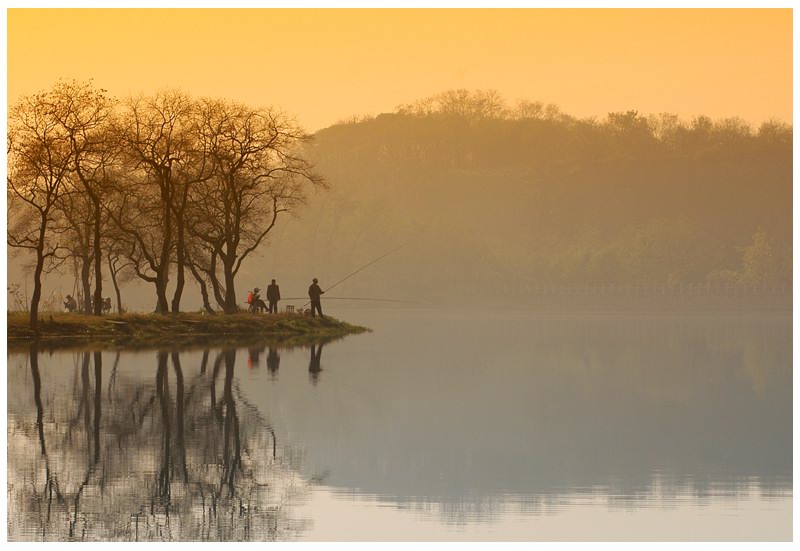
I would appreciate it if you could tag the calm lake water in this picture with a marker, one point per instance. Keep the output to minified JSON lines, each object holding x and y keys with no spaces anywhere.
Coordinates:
{"x":437,"y":426}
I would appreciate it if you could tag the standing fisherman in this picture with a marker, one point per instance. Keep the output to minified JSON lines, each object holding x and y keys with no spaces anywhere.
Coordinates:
{"x":314,"y":293}
{"x":273,"y":296}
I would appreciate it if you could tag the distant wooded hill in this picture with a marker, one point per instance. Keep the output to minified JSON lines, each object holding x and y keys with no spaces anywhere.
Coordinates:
{"x":483,"y":194}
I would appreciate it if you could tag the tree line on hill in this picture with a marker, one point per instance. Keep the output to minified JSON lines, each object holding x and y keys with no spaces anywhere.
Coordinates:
{"x":489,"y":193}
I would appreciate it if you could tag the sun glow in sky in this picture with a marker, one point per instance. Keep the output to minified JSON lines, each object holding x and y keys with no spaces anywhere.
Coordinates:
{"x":324,"y":65}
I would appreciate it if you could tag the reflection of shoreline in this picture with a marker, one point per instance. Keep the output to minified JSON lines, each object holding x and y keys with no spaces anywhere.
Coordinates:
{"x":578,"y":516}
{"x":659,"y":491}
{"x":185,"y":342}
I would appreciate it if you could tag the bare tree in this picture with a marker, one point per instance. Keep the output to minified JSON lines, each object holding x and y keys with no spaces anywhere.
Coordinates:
{"x":84,"y":114}
{"x":39,"y":164}
{"x":138,"y":216}
{"x":257,"y":174}
{"x":75,"y":222}
{"x":119,"y":268}
{"x":164,"y":163}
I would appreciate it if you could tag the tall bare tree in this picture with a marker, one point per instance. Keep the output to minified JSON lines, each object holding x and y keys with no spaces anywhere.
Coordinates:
{"x":39,"y":165}
{"x":258,"y":173}
{"x":84,"y":113}
{"x":75,"y":220}
{"x":164,"y":162}
{"x":119,"y":266}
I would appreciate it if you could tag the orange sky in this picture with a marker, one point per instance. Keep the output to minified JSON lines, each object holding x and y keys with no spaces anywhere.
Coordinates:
{"x":324,"y":65}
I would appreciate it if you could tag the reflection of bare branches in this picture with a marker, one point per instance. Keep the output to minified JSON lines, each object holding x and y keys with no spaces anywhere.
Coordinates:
{"x":85,"y":402}
{"x":231,"y":422}
{"x":76,"y":502}
{"x":179,"y":399}
{"x":98,"y":382}
{"x":113,"y":378}
{"x":261,"y":421}
{"x":213,"y":382}
{"x":51,"y":484}
{"x":124,"y":486}
{"x":95,"y":439}
{"x":204,"y":362}
{"x":82,"y":405}
{"x":162,"y":388}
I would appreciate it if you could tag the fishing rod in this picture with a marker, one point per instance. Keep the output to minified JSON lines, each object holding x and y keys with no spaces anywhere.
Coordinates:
{"x":359,"y":298}
{"x":354,"y":273}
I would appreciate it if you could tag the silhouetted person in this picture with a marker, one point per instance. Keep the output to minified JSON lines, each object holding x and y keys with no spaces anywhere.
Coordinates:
{"x":314,"y":292}
{"x":314,"y":366}
{"x":273,"y":296}
{"x":273,"y":361}
{"x":70,"y":305}
{"x":256,"y":304}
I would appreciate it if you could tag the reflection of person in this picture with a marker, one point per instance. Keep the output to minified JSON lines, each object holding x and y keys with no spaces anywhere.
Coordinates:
{"x":314,"y":366}
{"x":314,"y":292}
{"x":254,"y":357}
{"x":273,"y":296}
{"x":273,"y":360}
{"x":70,"y":305}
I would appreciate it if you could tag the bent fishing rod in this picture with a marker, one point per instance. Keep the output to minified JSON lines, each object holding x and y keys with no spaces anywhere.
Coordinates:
{"x":354,"y":273}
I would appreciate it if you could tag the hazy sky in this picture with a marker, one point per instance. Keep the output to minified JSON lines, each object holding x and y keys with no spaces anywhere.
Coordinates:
{"x":325,"y":65}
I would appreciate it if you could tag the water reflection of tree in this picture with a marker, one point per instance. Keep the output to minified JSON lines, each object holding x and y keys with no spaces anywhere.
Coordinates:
{"x":51,"y":490}
{"x":166,"y":460}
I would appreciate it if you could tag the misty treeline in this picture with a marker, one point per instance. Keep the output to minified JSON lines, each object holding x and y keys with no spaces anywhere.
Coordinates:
{"x":150,"y":187}
{"x":488,"y":194}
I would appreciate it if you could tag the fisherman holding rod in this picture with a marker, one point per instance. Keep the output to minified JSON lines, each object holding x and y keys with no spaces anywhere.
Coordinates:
{"x":314,"y":293}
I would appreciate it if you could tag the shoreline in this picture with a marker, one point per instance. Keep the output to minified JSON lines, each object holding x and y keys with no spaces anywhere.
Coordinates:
{"x":62,"y":330}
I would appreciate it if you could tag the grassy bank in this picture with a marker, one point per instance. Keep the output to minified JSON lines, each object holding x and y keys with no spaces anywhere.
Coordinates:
{"x":176,"y":329}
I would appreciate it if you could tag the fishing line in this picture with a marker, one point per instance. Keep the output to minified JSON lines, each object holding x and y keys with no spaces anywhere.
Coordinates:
{"x":359,"y":298}
{"x":354,"y":273}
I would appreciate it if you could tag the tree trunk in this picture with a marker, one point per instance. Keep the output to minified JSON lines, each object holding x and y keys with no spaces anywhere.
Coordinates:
{"x":180,"y":259}
{"x":215,"y":284}
{"x":162,"y":306}
{"x":98,"y":266}
{"x":230,"y":293}
{"x":86,"y":266}
{"x":37,"y":286}
{"x":113,"y":273}
{"x":203,"y":287}
{"x":162,"y":274}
